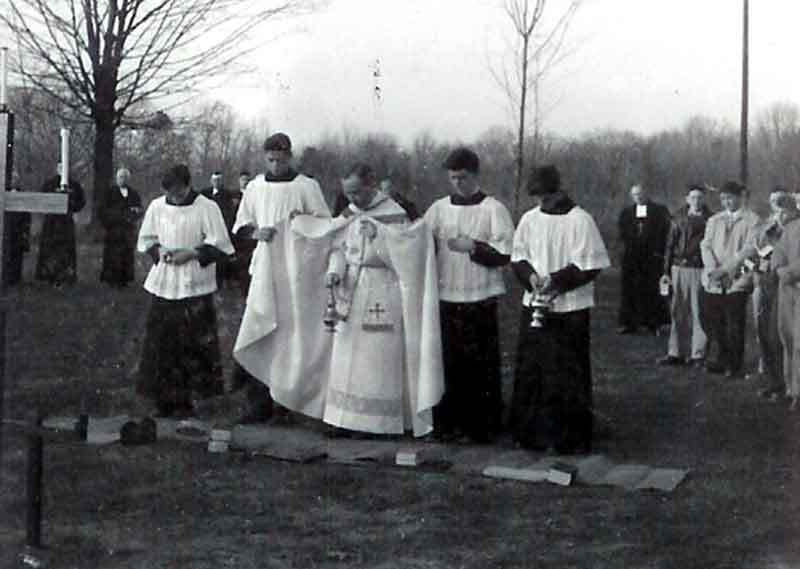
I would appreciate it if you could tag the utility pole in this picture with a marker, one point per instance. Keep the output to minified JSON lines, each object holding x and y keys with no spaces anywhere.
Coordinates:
{"x":743,"y":129}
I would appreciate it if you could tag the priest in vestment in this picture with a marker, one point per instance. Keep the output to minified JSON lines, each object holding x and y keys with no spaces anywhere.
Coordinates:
{"x":380,"y":370}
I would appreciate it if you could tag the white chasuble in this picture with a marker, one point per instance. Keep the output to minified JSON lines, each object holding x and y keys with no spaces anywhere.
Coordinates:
{"x":381,"y":370}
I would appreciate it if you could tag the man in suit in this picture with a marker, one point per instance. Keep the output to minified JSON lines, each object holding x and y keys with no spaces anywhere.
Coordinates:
{"x":227,"y":205}
{"x":643,"y":229}
{"x":121,"y":209}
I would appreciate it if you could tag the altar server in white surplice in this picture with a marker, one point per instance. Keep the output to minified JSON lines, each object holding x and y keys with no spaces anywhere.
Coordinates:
{"x":473,"y":233}
{"x":269,"y":199}
{"x":185,"y":235}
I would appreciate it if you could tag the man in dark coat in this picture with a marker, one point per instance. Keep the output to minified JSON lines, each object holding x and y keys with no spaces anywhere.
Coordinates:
{"x":227,"y":205}
{"x":16,"y":240}
{"x":244,"y":247}
{"x":643,"y":229}
{"x":121,"y":209}
{"x":58,"y":262}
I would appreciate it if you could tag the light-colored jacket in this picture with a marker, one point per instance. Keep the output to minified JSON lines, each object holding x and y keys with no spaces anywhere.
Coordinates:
{"x":727,"y":234}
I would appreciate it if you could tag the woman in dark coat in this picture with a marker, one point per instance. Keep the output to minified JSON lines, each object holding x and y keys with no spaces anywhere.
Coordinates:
{"x":57,"y":262}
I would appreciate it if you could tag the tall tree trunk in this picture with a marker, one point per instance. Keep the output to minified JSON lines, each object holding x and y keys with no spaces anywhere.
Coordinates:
{"x":103,"y":159}
{"x":523,"y":101}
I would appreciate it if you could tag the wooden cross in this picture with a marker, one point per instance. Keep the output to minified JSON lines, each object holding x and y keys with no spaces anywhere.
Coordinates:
{"x":31,"y":202}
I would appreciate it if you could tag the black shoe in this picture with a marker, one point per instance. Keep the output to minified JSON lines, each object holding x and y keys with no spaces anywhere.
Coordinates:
{"x":670,"y":361}
{"x":183,"y":412}
{"x":714,"y":368}
{"x":164,"y":410}
{"x":339,"y":433}
{"x":260,"y":414}
{"x":133,"y":433}
{"x":696,"y":363}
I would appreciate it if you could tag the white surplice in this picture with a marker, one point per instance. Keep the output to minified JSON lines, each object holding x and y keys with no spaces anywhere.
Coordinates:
{"x":461,"y":279}
{"x":183,"y":227}
{"x":551,"y":242}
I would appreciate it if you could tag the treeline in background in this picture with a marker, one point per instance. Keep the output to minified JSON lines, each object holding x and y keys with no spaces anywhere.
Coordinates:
{"x":598,"y":167}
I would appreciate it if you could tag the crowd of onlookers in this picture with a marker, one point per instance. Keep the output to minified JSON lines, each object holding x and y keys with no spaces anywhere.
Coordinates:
{"x":705,"y":267}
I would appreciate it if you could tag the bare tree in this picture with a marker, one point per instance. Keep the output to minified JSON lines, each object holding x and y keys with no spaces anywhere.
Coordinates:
{"x":536,"y":49}
{"x":105,"y":59}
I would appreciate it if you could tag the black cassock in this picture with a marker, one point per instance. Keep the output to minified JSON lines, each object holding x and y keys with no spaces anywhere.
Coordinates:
{"x":644,"y":240}
{"x":228,"y":203}
{"x":119,"y":216}
{"x":16,"y":242}
{"x":57,"y":262}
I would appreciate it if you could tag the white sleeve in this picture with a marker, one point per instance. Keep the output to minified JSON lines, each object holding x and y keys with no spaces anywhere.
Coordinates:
{"x":588,"y":249}
{"x":502,"y":236}
{"x":519,"y":247}
{"x":245,"y":215}
{"x":148,"y":232}
{"x":214,"y":230}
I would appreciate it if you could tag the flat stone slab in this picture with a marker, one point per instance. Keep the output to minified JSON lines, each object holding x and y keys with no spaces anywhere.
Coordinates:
{"x":303,"y":445}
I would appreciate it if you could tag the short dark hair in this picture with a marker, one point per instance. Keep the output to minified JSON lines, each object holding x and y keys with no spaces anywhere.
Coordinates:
{"x":363,"y":172}
{"x":544,"y":180}
{"x":278,"y":141}
{"x":462,"y":158}
{"x":244,"y":173}
{"x":216,"y":173}
{"x":178,"y":174}
{"x":695,"y":188}
{"x":732,"y":187}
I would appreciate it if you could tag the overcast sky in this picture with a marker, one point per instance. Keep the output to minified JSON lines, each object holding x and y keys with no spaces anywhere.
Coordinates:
{"x":643,"y":65}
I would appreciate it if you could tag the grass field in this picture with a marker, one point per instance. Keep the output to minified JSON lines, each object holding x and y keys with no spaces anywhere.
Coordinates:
{"x":172,"y":505}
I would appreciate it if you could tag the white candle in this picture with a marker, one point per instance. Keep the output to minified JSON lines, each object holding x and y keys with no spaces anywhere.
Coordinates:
{"x":3,"y":76}
{"x":64,"y":157}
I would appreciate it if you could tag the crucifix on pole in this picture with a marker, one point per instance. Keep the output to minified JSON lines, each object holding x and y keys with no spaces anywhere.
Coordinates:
{"x":31,"y":202}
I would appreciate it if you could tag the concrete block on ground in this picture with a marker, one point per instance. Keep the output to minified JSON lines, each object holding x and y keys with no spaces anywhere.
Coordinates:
{"x":665,"y":479}
{"x":626,"y":475}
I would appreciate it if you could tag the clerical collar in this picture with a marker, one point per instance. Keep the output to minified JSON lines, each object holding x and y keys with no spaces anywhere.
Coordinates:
{"x":379,"y":198}
{"x":290,"y":175}
{"x":557,"y":203}
{"x":474,"y":199}
{"x":188,"y":200}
